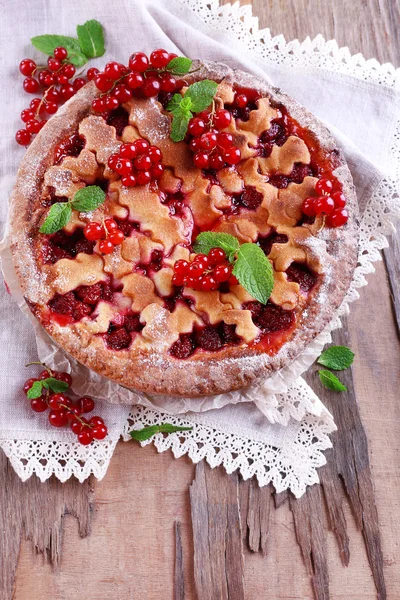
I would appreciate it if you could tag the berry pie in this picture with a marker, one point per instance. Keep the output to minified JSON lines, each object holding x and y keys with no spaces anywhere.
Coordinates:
{"x":183,"y":235}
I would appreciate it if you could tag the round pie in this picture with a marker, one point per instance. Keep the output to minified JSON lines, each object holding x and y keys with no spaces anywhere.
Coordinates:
{"x":121,"y":310}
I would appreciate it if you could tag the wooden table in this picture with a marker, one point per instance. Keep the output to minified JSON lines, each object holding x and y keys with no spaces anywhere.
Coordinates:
{"x":136,"y":550}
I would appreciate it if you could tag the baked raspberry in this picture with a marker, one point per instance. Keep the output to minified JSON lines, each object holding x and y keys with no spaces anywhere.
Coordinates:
{"x":271,"y":134}
{"x":183,"y":348}
{"x":228,"y":334}
{"x":274,"y":318}
{"x":85,"y":246}
{"x":64,"y":305}
{"x":300,"y":172}
{"x":208,"y":338}
{"x":69,"y":146}
{"x":90,"y":294}
{"x":254,"y":307}
{"x":279,"y":181}
{"x":118,"y":339}
{"x":251,"y":198}
{"x":132,"y":323}
{"x":81,"y":310}
{"x":302,"y":275}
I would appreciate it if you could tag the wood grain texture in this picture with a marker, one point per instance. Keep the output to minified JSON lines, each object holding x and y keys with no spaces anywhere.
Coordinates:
{"x":145,"y":493}
{"x":179,"y":566}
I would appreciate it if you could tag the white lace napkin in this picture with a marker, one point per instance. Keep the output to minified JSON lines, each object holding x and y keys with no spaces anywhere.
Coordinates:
{"x":281,"y":438}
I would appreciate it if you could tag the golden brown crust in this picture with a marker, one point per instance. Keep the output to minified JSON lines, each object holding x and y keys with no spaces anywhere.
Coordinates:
{"x":152,"y":369}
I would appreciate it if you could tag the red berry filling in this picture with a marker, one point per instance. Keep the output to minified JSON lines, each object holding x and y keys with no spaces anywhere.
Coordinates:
{"x":270,"y":318}
{"x":273,"y":238}
{"x":302,"y":275}
{"x":69,"y":146}
{"x":244,"y":102}
{"x":63,"y":245}
{"x":119,"y":337}
{"x":81,"y":302}
{"x":210,"y":338}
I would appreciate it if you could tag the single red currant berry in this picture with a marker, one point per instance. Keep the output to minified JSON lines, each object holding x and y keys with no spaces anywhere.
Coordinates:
{"x":159,"y":58}
{"x":39,"y":404}
{"x":28,"y":384}
{"x":76,"y":426}
{"x":128,"y":150}
{"x":110,"y":225}
{"x":201,"y":160}
{"x":308,"y":207}
{"x":123,"y":166}
{"x":324,"y":205}
{"x":337,"y":218}
{"x":194,"y":144}
{"x":178,"y":280}
{"x":51,"y":107}
{"x":92,"y":72}
{"x":103,"y":83}
{"x":62,"y":79}
{"x":224,"y":140}
{"x":98,"y":105}
{"x":141,"y":145}
{"x":35,"y":103}
{"x":196,"y":126}
{"x":110,"y":102}
{"x":33,"y":126}
{"x":67,"y":91}
{"x":154,"y":154}
{"x":68,"y":70}
{"x":31,"y":85}
{"x":241,"y":100}
{"x":208,"y":140}
{"x":208,"y":284}
{"x":222,"y":119}
{"x":232,"y":280}
{"x":151,"y":87}
{"x":324,"y":186}
{"x":95,"y":420}
{"x":216,"y":256}
{"x":42,"y":75}
{"x":113,"y":160}
{"x":93,"y":231}
{"x":66,"y":377}
{"x":221,"y":273}
{"x":113,"y":70}
{"x":74,"y":411}
{"x":135,"y":81}
{"x":86,"y":404}
{"x":157,"y":171}
{"x":53,"y":63}
{"x":122,"y":93}
{"x":99,"y":432}
{"x":196,"y":269}
{"x":116,"y":238}
{"x":106,"y":247}
{"x":138,"y":62}
{"x":53,"y":95}
{"x":143,"y":177}
{"x":85,"y":437}
{"x":167,"y":82}
{"x":339,"y":199}
{"x":128,"y":180}
{"x":180,"y":268}
{"x":27,"y":66}
{"x":49,"y":80}
{"x":60,"y":52}
{"x":23,"y":137}
{"x":143,"y":163}
{"x":59,"y":401}
{"x":232,"y":155}
{"x":58,"y":418}
{"x":216,"y":161}
{"x":201,"y":258}
{"x":78,"y":83}
{"x":44,"y":375}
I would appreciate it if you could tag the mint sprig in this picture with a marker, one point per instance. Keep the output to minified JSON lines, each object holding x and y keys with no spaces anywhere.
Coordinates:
{"x":85,"y":200}
{"x":337,"y":358}
{"x":141,"y":435}
{"x":330,"y":381}
{"x":251,"y":267}
{"x":89,"y":44}
{"x":36,"y":390}
{"x":197,"y":97}
{"x":180,"y":65}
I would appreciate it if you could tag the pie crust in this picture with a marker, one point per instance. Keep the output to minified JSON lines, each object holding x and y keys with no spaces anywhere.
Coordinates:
{"x":147,"y":364}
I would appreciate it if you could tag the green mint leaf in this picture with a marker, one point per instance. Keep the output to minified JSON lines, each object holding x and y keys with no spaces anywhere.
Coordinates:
{"x":201,"y":93}
{"x":330,"y":381}
{"x":254,"y":272}
{"x":211,"y":239}
{"x":336,"y":358}
{"x":88,"y":198}
{"x":58,"y":217}
{"x":180,"y":124}
{"x":180,"y":65}
{"x":35,"y":391}
{"x":53,"y":384}
{"x":174,"y":105}
{"x":141,"y":435}
{"x":186,"y":105}
{"x":47,"y":43}
{"x":91,"y":38}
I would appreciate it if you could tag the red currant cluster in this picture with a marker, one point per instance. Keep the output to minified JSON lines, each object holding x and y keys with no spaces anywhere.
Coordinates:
{"x":330,"y":204}
{"x":63,"y":411}
{"x":55,"y":83}
{"x":108,"y":233}
{"x":212,"y":149}
{"x":204,"y":273}
{"x":142,"y":77}
{"x":137,"y":163}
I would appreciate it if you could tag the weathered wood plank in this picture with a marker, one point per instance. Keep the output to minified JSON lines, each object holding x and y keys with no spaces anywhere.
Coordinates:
{"x":179,"y":567}
{"x":258,"y":514}
{"x":217,"y":535}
